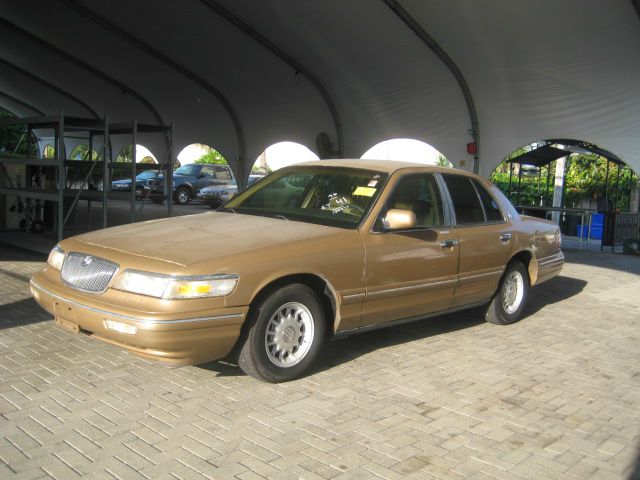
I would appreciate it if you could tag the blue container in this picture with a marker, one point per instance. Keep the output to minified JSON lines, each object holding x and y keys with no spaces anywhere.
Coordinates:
{"x":597,"y":223}
{"x":583,"y":232}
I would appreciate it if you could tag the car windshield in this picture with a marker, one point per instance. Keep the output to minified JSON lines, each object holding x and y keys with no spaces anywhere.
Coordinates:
{"x":334,"y":196}
{"x":146,"y":175}
{"x":191,"y":170}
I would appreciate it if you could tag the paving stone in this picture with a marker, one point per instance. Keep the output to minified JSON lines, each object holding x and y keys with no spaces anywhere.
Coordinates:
{"x":556,"y":395}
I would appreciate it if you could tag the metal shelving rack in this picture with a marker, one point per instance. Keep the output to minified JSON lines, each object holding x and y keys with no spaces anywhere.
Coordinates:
{"x":62,"y":124}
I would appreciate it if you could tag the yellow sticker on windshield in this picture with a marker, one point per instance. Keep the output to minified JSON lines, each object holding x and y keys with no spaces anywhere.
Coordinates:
{"x":364,"y":191}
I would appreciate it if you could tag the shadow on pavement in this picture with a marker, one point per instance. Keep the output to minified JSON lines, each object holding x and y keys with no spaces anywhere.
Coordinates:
{"x":21,"y":313}
{"x":10,"y":253}
{"x":345,"y":349}
{"x":635,"y":473}
{"x":552,"y":291}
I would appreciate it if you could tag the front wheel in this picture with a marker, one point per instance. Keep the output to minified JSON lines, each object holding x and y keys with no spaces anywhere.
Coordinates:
{"x":285,"y":335}
{"x":507,"y":304}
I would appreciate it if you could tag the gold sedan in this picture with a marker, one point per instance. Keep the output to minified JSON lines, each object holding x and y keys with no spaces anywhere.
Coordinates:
{"x":324,"y":249}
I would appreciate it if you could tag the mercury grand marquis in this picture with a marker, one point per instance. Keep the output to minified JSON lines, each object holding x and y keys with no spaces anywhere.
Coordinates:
{"x":312,"y":251}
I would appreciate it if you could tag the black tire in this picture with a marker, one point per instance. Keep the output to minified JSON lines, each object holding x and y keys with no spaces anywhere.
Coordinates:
{"x":182,"y":195}
{"x":300,"y":319}
{"x":509,"y":301}
{"x":37,"y":226}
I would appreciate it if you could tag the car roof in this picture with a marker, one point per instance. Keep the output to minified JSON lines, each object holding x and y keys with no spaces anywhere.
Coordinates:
{"x":386,"y":166}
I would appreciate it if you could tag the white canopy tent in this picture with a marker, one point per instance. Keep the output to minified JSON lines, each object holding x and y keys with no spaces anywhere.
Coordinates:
{"x":241,"y":75}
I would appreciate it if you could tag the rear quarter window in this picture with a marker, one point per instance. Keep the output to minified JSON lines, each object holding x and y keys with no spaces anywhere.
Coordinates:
{"x":491,"y":207}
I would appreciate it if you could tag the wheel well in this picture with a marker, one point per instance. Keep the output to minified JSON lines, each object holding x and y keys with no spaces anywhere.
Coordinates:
{"x":187,"y":187}
{"x":319,"y":286}
{"x":524,"y":257}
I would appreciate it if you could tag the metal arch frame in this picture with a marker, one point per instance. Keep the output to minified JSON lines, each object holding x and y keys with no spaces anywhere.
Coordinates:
{"x":636,"y":6}
{"x":84,"y":65}
{"x":169,"y":62}
{"x":285,"y":57}
{"x":49,"y":85}
{"x":22,"y":103}
{"x":406,"y":17}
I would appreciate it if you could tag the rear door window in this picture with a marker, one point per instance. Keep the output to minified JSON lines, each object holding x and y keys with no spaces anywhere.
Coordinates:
{"x":207,"y":172}
{"x":466,"y":203}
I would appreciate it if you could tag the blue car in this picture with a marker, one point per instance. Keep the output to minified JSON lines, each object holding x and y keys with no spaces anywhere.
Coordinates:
{"x":188,"y":180}
{"x":143,"y":179}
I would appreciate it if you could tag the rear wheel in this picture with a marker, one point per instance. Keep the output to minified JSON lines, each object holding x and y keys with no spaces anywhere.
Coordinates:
{"x":285,"y":335}
{"x":182,"y":196}
{"x":507,"y":304}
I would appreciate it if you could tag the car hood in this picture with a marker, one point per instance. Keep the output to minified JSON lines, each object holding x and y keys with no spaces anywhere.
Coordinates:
{"x":184,"y":241}
{"x":121,"y":182}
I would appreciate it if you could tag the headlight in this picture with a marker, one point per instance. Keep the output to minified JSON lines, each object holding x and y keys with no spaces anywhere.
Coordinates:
{"x":56,"y":258}
{"x":170,"y":287}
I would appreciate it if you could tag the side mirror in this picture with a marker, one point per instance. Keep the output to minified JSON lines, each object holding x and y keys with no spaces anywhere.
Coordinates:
{"x":398,"y":219}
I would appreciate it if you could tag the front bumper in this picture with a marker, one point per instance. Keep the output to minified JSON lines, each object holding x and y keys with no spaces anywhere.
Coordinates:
{"x":210,"y":198}
{"x":185,"y":339}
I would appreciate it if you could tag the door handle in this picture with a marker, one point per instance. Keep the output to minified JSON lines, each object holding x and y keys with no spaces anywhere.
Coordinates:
{"x":505,"y":237}
{"x":449,"y":243}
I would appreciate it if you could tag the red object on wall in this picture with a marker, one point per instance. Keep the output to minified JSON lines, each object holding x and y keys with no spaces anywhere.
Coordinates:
{"x":472,"y":148}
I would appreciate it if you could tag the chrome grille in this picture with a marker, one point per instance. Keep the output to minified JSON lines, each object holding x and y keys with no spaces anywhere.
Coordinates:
{"x":87,"y":273}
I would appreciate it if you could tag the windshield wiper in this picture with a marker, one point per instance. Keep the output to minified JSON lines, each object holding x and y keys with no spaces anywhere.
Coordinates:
{"x":279,"y":215}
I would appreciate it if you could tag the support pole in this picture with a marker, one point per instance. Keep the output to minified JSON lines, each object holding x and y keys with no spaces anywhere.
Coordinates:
{"x":106,"y":159}
{"x":519,"y":183}
{"x":510,"y":179}
{"x":606,"y":208}
{"x":558,"y":189}
{"x":89,"y":185}
{"x":539,"y":192}
{"x":634,"y":194}
{"x":168,"y":184}
{"x":546,"y":190}
{"x":134,"y":139}
{"x":615,"y":202}
{"x":61,"y":175}
{"x":606,"y":188}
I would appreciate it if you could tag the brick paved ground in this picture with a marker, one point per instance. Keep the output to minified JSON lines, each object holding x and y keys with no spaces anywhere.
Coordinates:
{"x":554,"y":396}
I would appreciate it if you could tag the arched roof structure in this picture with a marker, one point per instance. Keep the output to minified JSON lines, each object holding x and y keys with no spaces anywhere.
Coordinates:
{"x":243,"y":74}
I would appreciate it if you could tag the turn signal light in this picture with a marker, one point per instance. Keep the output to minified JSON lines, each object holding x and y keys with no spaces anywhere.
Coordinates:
{"x":120,"y":327}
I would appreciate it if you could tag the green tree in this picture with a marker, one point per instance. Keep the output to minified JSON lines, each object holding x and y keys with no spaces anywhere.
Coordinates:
{"x":443,"y":162}
{"x":13,"y":138}
{"x":126,"y":154}
{"x":49,"y":152}
{"x":213,"y":157}
{"x":81,"y":152}
{"x":585,"y":178}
